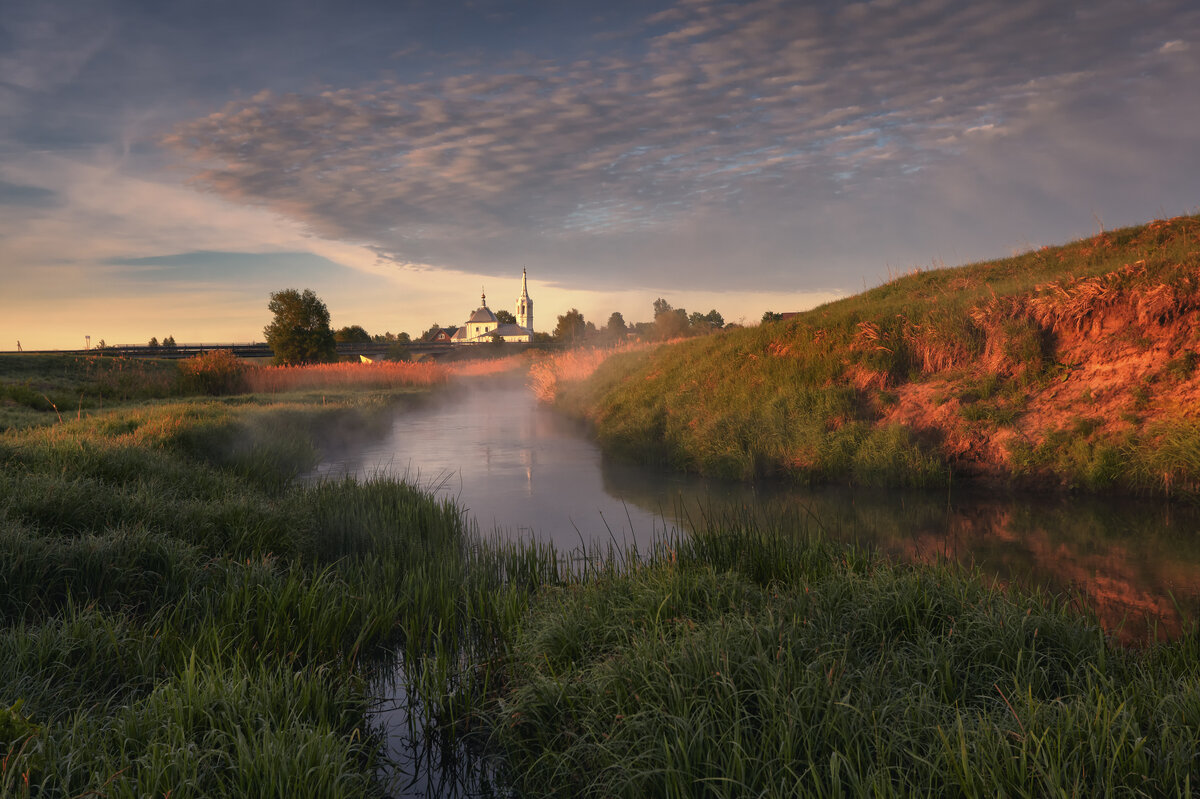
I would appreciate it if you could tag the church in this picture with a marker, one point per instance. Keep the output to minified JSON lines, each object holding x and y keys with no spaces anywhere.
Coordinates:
{"x":483,"y":326}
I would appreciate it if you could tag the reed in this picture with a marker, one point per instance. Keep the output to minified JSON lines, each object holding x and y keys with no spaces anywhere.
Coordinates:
{"x":752,"y":662}
{"x":179,"y":614}
{"x":377,"y":375}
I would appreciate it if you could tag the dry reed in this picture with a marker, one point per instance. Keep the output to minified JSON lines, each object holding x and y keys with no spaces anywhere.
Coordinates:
{"x":571,"y":365}
{"x":379,"y":375}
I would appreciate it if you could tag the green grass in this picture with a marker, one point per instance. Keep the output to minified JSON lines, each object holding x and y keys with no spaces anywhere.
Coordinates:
{"x":755,"y":663}
{"x":807,"y":399}
{"x":180,"y":616}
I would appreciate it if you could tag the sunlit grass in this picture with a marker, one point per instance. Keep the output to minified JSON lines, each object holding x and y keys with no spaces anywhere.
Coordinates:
{"x":812,"y":398}
{"x":179,"y":614}
{"x":377,"y":375}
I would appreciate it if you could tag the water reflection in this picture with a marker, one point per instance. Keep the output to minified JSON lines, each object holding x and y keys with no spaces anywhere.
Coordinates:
{"x":1135,"y":564}
{"x":522,"y":470}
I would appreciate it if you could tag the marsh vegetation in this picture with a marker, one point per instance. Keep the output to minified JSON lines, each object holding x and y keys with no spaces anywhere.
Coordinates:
{"x":183,"y":616}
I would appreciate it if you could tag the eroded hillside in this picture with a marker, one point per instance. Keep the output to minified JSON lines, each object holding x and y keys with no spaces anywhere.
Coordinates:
{"x":1067,"y":367}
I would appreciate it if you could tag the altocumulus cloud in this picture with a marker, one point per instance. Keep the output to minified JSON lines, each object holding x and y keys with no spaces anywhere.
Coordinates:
{"x":721,"y":130}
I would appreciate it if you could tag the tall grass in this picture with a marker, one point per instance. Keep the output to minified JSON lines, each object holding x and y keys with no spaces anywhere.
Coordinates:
{"x":751,"y":662}
{"x":817,"y":398}
{"x":179,"y":615}
{"x":547,"y":372}
{"x":377,"y":375}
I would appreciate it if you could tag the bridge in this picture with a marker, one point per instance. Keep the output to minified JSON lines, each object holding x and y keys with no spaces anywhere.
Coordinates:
{"x":256,"y":350}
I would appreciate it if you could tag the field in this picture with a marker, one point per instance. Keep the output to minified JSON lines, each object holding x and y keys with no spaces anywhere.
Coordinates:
{"x":1066,"y":368}
{"x":183,"y":617}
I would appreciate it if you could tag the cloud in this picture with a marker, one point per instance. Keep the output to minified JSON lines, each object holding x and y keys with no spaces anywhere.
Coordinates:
{"x":17,"y":194}
{"x":740,"y":120}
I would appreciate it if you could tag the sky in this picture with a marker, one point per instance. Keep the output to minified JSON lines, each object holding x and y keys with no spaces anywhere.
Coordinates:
{"x":166,"y":165}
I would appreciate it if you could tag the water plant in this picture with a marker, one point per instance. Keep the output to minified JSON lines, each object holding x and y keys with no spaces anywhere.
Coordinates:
{"x":181,"y":614}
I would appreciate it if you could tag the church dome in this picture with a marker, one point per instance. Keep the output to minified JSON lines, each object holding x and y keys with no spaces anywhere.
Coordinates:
{"x":483,"y":314}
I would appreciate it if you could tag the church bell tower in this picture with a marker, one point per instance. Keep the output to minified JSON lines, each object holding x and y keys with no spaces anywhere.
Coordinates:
{"x":525,"y":307}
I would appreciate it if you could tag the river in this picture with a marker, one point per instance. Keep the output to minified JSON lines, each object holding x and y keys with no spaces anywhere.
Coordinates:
{"x":522,"y":470}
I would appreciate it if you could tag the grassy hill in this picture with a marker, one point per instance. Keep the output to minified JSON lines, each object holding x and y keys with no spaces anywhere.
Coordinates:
{"x":1065,"y":367}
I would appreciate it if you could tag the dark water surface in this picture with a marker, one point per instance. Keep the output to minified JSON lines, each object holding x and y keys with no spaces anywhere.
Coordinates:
{"x":521,"y":470}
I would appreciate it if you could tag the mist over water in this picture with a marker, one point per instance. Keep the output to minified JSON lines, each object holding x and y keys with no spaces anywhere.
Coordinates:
{"x":517,"y":469}
{"x":521,"y":470}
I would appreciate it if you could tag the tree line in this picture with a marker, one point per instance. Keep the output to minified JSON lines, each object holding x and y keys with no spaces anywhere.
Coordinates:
{"x":300,"y":330}
{"x":669,"y":322}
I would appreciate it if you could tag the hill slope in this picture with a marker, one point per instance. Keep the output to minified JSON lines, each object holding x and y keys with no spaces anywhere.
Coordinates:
{"x":1065,"y":367}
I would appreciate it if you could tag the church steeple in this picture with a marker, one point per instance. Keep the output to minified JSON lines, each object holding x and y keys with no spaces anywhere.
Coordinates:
{"x":525,"y":305}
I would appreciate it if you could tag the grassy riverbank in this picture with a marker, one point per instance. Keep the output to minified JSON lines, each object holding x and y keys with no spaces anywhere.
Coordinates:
{"x":756,"y":662}
{"x":1070,"y":367}
{"x":182,"y":617}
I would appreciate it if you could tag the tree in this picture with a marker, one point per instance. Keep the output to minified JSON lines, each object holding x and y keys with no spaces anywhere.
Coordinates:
{"x":571,"y":327}
{"x":168,"y":343}
{"x":432,"y":333}
{"x":706,"y":322}
{"x":354,"y":334}
{"x":771,"y":316}
{"x":398,"y":351}
{"x":153,"y":343}
{"x":616,"y":326}
{"x":505,"y":318}
{"x":300,"y":332}
{"x":669,"y":322}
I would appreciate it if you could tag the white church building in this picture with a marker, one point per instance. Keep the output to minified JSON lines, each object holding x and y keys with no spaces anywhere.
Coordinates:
{"x":483,"y":326}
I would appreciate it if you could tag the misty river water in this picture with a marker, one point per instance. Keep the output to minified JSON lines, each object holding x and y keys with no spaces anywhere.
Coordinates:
{"x":522,"y":470}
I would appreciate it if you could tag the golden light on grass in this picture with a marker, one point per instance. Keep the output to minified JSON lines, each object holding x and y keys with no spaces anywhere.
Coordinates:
{"x":379,"y":375}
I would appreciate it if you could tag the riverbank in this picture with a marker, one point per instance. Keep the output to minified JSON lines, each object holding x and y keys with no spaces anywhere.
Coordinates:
{"x":182,"y":615}
{"x":1068,"y":368}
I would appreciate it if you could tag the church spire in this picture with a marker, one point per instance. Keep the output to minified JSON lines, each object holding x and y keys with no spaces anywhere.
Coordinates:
{"x":482,"y":297}
{"x":525,"y":306}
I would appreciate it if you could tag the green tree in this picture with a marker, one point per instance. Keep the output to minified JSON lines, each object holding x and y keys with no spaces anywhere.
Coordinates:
{"x":706,"y":322}
{"x":771,"y":316}
{"x":571,"y":327}
{"x":300,"y":332}
{"x":669,"y":322}
{"x":616,"y":326}
{"x":398,"y":351}
{"x":505,"y":318}
{"x":354,"y":334}
{"x":153,"y":343}
{"x":169,"y":343}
